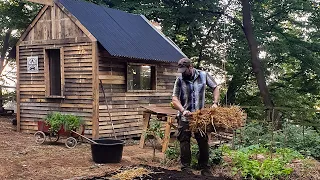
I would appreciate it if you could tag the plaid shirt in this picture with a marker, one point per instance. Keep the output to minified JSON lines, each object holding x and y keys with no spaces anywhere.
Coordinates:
{"x":191,"y":93}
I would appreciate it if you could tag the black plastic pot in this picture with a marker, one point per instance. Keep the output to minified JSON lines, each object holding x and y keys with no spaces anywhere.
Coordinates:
{"x":107,"y":151}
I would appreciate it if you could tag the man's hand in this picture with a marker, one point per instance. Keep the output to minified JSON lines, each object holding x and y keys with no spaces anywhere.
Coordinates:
{"x":186,"y":113}
{"x":214,"y":105}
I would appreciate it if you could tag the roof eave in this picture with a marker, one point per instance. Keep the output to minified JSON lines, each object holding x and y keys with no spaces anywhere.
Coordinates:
{"x":163,"y":36}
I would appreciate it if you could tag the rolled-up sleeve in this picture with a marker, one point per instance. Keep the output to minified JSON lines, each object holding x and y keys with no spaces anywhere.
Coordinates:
{"x":211,"y":82}
{"x":177,"y":88}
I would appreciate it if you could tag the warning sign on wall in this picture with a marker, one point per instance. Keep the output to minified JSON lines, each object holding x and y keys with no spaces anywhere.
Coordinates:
{"x":32,"y":64}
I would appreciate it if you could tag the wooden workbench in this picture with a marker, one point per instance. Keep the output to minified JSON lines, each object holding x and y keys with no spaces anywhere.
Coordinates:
{"x":166,"y":112}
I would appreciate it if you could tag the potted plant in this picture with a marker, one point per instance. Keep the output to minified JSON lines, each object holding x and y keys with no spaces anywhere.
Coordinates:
{"x":58,"y":122}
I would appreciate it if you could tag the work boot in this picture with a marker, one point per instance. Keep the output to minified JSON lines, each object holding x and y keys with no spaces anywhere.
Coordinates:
{"x":206,"y":172}
{"x":186,"y":170}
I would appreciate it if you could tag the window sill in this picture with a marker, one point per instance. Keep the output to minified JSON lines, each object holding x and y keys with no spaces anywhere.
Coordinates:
{"x":55,"y":97}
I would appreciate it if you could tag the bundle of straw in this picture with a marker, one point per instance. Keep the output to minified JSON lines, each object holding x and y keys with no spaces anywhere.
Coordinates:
{"x":217,"y":119}
{"x":130,"y":174}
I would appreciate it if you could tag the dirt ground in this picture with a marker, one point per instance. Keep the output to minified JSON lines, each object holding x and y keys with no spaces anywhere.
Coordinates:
{"x":22,"y":158}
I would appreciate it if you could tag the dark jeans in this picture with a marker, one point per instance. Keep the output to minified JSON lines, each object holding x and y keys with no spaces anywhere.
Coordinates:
{"x":184,"y":136}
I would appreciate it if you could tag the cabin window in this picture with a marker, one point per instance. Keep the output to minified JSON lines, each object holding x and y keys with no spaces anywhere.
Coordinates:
{"x":141,"y":77}
{"x":54,"y":72}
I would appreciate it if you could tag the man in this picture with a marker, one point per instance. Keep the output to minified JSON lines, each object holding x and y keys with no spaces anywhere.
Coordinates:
{"x":189,"y":96}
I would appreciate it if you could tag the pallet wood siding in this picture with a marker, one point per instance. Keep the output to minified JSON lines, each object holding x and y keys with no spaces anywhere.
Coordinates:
{"x":54,"y":30}
{"x":125,"y":107}
{"x":54,"y":24}
{"x":78,"y":86}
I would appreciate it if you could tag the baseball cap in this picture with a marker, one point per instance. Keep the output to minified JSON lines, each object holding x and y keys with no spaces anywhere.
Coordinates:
{"x":183,"y":65}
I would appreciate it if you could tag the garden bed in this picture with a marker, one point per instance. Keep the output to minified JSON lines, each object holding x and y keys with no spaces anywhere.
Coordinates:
{"x":144,"y":172}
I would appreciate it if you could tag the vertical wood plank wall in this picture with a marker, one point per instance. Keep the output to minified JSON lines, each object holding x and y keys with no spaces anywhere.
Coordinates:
{"x":53,"y":30}
{"x":125,"y":107}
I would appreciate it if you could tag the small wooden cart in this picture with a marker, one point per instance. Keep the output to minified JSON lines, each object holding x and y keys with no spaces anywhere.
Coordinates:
{"x":44,"y":132}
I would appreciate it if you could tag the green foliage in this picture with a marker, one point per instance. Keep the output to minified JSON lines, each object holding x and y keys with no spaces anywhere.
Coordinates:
{"x":173,"y":153}
{"x":68,"y":121}
{"x":155,"y":129}
{"x":15,"y":15}
{"x":306,"y":141}
{"x":154,"y":134}
{"x":55,"y":121}
{"x":256,"y":162}
{"x":72,"y":122}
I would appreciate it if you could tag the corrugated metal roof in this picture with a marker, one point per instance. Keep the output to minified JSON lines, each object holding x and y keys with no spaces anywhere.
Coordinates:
{"x":123,"y":34}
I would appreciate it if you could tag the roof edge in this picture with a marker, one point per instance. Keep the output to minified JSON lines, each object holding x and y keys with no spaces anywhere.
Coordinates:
{"x":164,"y":37}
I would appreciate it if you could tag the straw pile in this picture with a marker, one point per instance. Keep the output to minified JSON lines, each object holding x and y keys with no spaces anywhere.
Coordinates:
{"x":217,"y":119}
{"x":131,"y":173}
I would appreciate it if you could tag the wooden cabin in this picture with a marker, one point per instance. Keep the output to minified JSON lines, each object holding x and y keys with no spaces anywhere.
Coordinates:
{"x":73,"y":48}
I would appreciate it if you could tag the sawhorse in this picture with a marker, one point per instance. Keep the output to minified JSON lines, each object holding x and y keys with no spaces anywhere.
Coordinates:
{"x":169,"y":115}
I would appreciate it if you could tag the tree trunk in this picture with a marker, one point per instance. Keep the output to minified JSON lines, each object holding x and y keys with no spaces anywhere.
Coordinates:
{"x":256,"y":64}
{"x":257,"y":67}
{"x":230,"y":97}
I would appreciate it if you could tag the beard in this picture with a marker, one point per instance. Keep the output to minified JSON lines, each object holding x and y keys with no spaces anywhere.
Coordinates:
{"x":187,"y":76}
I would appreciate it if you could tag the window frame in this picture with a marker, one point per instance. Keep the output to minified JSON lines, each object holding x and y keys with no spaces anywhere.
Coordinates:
{"x":153,"y":77}
{"x":47,"y":73}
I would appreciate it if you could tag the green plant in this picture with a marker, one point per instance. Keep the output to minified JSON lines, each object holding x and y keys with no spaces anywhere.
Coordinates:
{"x":154,"y":134}
{"x":256,"y":162}
{"x":304,"y":140}
{"x":72,"y":122}
{"x":55,"y":120}
{"x":173,"y":153}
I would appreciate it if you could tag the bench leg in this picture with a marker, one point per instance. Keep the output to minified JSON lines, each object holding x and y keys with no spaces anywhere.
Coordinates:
{"x":167,"y":134}
{"x":146,"y":119}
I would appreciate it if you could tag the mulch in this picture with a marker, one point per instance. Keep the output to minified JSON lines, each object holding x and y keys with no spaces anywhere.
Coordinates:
{"x":160,"y":174}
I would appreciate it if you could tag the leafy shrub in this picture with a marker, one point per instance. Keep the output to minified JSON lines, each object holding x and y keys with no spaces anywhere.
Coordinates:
{"x":72,"y":122}
{"x":257,"y":162}
{"x":173,"y":153}
{"x":291,"y":136}
{"x":55,"y":120}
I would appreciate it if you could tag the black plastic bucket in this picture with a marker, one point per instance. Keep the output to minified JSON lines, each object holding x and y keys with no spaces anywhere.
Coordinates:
{"x":107,"y":151}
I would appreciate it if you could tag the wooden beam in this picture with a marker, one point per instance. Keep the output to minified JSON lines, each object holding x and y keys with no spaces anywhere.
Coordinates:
{"x":53,"y":20}
{"x":56,"y":41}
{"x":42,"y":11}
{"x":95,"y":91}
{"x":18,"y":90}
{"x":62,"y":71}
{"x":45,"y":2}
{"x":46,"y":73}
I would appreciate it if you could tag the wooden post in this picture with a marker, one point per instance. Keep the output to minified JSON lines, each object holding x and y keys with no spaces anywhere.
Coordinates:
{"x":146,"y":119}
{"x":18,"y":89}
{"x":53,"y":20}
{"x":62,"y":83}
{"x":95,"y":91}
{"x":167,"y":134}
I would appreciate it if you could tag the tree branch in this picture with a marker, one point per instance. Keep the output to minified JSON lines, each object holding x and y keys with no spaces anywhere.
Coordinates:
{"x":206,"y":39}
